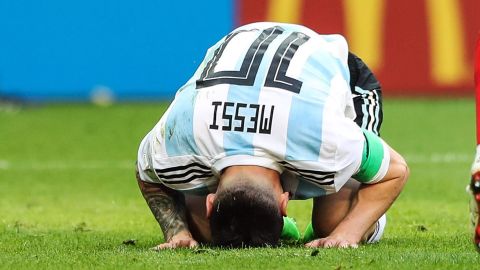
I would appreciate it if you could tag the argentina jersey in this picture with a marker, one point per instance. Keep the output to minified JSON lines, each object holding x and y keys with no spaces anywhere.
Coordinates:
{"x":268,"y":94}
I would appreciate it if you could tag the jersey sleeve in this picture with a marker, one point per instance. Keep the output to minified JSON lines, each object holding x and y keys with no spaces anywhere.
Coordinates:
{"x":367,"y":95}
{"x":375,"y":159}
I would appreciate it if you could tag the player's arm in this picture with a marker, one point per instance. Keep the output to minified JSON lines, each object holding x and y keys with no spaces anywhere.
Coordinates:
{"x":168,"y":207}
{"x":373,"y":199}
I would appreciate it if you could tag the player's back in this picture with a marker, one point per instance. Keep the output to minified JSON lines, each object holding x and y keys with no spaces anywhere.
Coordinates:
{"x":266,"y":93}
{"x":269,"y":78}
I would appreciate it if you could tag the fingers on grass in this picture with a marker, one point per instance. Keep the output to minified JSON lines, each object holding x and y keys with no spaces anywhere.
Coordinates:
{"x":346,"y":244}
{"x":176,"y":244}
{"x":193,"y":244}
{"x":330,"y":243}
{"x":162,"y":246}
{"x":315,"y":243}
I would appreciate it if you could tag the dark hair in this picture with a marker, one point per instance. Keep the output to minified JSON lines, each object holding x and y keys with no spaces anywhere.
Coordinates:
{"x":245,"y":216}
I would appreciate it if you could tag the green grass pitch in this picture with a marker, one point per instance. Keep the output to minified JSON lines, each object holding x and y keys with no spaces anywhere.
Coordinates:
{"x":69,"y":200}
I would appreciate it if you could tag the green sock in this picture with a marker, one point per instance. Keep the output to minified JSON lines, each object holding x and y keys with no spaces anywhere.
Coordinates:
{"x":308,"y":234}
{"x":290,"y":230}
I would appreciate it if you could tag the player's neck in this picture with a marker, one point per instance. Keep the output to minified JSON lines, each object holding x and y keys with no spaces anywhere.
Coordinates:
{"x":258,"y":175}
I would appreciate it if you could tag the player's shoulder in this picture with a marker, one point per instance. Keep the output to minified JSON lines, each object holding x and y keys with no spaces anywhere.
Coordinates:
{"x":336,"y":42}
{"x":284,"y":26}
{"x":291,"y":27}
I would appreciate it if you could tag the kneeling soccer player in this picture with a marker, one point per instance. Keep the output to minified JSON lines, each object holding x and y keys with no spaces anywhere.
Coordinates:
{"x":267,"y":117}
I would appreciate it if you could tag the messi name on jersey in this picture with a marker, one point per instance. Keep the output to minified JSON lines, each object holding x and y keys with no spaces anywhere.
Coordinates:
{"x":242,"y":117}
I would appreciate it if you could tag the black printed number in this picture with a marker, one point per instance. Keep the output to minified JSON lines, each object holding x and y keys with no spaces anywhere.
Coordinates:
{"x":276,"y":76}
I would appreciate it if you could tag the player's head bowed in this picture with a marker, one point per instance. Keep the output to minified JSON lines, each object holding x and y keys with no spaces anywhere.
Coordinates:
{"x":245,"y":215}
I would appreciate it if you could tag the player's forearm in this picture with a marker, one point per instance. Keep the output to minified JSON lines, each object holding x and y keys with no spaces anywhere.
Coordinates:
{"x":167,"y":206}
{"x":372,"y":202}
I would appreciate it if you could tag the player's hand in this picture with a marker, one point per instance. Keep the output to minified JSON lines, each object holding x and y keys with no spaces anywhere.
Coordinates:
{"x":331,"y":242}
{"x":180,"y":240}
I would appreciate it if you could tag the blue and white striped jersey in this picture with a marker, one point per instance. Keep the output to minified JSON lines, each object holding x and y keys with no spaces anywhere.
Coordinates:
{"x":268,"y":94}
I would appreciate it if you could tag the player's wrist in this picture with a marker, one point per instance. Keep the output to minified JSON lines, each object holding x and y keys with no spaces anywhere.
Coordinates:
{"x":352,"y":239}
{"x":353,"y":236}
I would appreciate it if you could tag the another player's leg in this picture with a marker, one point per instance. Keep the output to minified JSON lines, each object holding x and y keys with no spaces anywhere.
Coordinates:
{"x":474,"y":186}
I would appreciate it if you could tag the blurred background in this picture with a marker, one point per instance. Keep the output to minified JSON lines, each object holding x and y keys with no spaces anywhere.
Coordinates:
{"x":68,"y":195}
{"x":54,"y":50}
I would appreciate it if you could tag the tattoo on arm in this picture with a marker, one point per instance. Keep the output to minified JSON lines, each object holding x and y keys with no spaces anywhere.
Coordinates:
{"x":168,"y":207}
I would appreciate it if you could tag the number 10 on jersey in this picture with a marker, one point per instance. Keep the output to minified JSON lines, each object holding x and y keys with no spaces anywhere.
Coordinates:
{"x":246,"y":76}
